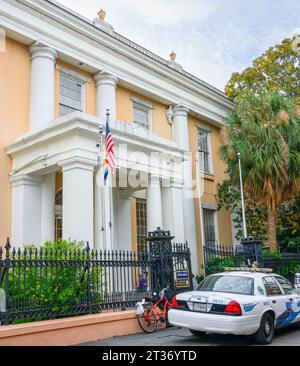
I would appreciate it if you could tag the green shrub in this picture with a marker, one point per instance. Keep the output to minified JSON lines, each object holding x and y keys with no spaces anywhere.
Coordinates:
{"x":199,"y":278}
{"x":217,"y":265}
{"x":53,"y":277}
{"x":266,"y":253}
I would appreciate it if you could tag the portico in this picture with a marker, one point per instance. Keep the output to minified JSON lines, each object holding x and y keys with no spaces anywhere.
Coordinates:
{"x":70,"y":143}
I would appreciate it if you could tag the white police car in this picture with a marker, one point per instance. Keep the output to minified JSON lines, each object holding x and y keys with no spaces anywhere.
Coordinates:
{"x":241,"y":302}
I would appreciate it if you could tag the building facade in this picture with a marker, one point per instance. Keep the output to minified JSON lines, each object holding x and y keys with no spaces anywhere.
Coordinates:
{"x":59,"y":74}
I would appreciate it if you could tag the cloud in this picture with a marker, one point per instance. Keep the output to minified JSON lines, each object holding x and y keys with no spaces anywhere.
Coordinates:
{"x":295,"y":32}
{"x":212,"y":38}
{"x":170,"y":12}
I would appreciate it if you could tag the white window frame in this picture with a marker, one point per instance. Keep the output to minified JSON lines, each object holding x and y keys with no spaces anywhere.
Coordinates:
{"x":209,"y":145}
{"x":147,"y":107}
{"x":77,"y":78}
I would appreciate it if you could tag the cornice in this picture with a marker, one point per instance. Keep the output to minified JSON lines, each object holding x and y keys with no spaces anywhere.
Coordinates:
{"x":86,"y":30}
{"x":88,"y":124}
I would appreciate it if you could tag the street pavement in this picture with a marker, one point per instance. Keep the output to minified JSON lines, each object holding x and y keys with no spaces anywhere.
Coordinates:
{"x":181,"y":337}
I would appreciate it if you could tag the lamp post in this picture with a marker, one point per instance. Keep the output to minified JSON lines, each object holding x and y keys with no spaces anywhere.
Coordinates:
{"x":242,"y":197}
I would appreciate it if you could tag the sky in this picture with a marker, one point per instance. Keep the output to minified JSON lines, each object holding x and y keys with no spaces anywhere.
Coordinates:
{"x":212,"y":38}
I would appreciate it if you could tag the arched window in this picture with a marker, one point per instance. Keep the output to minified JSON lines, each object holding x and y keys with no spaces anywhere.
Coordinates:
{"x":59,"y":197}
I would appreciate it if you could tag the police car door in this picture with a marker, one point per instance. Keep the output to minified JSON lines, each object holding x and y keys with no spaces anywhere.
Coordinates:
{"x":275,"y":296}
{"x":292,"y":300}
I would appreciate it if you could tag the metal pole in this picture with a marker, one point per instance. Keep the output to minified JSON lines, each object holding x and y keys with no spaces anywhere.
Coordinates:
{"x":100,"y":162}
{"x":200,"y":205}
{"x":242,"y":197}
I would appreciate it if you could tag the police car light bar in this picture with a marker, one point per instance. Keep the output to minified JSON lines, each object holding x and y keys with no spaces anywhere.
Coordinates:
{"x":248,"y":269}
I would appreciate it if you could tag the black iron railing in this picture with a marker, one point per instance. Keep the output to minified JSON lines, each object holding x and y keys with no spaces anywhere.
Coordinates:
{"x":217,"y":256}
{"x":41,"y":283}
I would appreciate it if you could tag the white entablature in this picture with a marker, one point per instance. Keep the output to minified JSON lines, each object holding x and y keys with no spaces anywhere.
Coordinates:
{"x":75,"y":135}
{"x":76,"y":39}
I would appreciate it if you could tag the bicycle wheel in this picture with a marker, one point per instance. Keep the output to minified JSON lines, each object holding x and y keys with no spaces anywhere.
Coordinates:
{"x":147,"y":321}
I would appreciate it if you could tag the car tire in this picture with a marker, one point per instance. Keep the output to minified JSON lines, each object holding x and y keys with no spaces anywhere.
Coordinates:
{"x":265,"y":333}
{"x":197,"y":333}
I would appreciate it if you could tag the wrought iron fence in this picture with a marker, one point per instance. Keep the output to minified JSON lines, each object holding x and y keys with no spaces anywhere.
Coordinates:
{"x":43,"y":283}
{"x":217,"y":256}
{"x":214,"y":254}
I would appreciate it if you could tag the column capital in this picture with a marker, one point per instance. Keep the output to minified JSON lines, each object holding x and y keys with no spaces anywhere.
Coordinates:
{"x":177,"y":183}
{"x":77,"y":163}
{"x":25,"y":179}
{"x":105,"y":78}
{"x":154,"y":180}
{"x":41,"y":50}
{"x":180,"y":110}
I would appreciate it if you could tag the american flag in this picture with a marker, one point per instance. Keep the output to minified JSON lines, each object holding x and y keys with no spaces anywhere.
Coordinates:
{"x":109,"y":161}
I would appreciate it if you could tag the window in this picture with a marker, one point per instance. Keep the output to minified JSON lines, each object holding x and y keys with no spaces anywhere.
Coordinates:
{"x":70,"y":95}
{"x":209,"y":225}
{"x":230,"y":284}
{"x":58,"y":228}
{"x":288,"y":289}
{"x":204,"y":149}
{"x":141,"y":221}
{"x":140,"y":116}
{"x":142,"y":113}
{"x":271,"y":286}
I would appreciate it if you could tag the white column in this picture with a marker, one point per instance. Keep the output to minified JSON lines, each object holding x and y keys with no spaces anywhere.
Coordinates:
{"x":105,"y":99}
{"x":26,"y":210}
{"x":181,"y":136}
{"x":42,"y":84}
{"x":78,"y":196}
{"x":172,"y":208}
{"x":99,"y":223}
{"x":48,"y":208}
{"x":106,"y":94}
{"x":154,"y":208}
{"x":124,"y":222}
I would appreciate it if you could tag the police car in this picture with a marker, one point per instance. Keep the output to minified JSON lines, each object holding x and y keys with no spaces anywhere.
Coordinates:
{"x":239,"y":301}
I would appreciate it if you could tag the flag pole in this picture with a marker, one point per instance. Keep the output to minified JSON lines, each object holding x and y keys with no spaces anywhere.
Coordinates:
{"x":109,"y":189}
{"x":100,"y":163}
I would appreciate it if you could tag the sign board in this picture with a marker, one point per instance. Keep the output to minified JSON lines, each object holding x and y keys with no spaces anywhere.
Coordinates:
{"x":2,"y":301}
{"x":183,"y":278}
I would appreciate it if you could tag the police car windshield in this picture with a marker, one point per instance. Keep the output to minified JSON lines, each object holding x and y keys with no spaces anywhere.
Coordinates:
{"x":229,"y":284}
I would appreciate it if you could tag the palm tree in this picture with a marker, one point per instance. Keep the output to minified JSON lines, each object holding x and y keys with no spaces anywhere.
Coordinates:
{"x":265,"y":130}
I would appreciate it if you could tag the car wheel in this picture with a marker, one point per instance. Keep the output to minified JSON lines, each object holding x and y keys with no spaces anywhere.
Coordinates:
{"x":265,"y":333}
{"x":197,"y":332}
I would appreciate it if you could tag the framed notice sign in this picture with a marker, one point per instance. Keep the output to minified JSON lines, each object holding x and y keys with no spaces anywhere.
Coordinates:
{"x":183,"y":278}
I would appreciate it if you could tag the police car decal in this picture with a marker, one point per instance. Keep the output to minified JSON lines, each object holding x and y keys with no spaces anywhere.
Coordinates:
{"x":288,"y":316}
{"x":249,"y":307}
{"x":260,"y":290}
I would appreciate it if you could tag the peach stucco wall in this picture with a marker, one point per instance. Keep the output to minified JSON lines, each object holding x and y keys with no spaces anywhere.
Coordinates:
{"x":70,"y":331}
{"x":14,"y":117}
{"x":210,"y":183}
{"x":160,"y":124}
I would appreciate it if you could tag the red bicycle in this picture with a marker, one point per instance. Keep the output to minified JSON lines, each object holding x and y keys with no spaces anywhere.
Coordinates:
{"x":154,"y":311}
